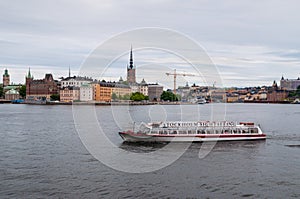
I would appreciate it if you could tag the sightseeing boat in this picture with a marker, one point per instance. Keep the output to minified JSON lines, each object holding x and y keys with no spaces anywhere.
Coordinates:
{"x":200,"y":131}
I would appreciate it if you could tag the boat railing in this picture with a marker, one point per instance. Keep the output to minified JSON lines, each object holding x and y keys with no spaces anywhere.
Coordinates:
{"x":204,"y":130}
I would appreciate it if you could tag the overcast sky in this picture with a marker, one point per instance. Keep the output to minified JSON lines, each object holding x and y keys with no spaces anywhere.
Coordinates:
{"x":251,"y":42}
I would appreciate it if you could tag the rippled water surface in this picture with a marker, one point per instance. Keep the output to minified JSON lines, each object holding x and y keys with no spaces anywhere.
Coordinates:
{"x":42,"y":155}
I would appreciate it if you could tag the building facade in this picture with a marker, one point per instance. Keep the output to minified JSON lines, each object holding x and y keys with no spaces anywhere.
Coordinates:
{"x":135,"y":88}
{"x":6,"y":78}
{"x":276,"y":94}
{"x":9,"y":87}
{"x":12,"y":95}
{"x":69,"y":94}
{"x":40,"y":88}
{"x":143,"y":88}
{"x":121,"y":90}
{"x":103,"y":91}
{"x":217,"y":95}
{"x":289,"y":84}
{"x":86,"y":93}
{"x":75,"y":81}
{"x":154,"y":92}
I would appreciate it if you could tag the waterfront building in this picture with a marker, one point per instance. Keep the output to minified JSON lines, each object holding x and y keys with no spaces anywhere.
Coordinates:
{"x":143,"y":88}
{"x":154,"y":92}
{"x":9,"y":87}
{"x":103,"y":91}
{"x":86,"y":93}
{"x":69,"y":94}
{"x":121,"y":90}
{"x":131,"y":70}
{"x":75,"y":81}
{"x":12,"y":95}
{"x":6,"y":78}
{"x":289,"y":84}
{"x":11,"y":92}
{"x":217,"y":95}
{"x":232,"y":97}
{"x":195,"y":90}
{"x":40,"y":88}
{"x":263,"y":95}
{"x":276,"y":94}
{"x":184,"y":92}
{"x":199,"y":92}
{"x":242,"y":97}
{"x":134,"y":88}
{"x":260,"y":96}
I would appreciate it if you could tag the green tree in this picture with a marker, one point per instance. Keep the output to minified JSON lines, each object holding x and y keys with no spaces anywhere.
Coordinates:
{"x":126,"y":97}
{"x":55,"y":97}
{"x":23,"y":91}
{"x":298,"y":91}
{"x":295,"y":93}
{"x":168,"y":96}
{"x":114,"y":96}
{"x":137,"y":96}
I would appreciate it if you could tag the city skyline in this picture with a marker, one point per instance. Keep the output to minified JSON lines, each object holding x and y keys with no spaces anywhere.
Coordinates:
{"x":251,"y":44}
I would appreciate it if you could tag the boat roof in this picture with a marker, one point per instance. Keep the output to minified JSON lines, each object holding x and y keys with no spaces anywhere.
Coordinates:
{"x":200,"y":123}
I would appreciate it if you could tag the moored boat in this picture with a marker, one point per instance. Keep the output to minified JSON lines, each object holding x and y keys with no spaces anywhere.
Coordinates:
{"x":200,"y":131}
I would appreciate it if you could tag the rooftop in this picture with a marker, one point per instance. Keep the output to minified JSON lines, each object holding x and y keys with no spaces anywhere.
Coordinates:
{"x":77,"y":78}
{"x":12,"y":92}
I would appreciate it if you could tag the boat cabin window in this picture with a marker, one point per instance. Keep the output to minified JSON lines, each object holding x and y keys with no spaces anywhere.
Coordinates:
{"x":253,"y":130}
{"x":245,"y":130}
{"x":226,"y":131}
{"x":200,"y":131}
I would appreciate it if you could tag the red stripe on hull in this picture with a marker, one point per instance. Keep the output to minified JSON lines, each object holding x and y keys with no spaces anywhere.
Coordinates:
{"x":200,"y":136}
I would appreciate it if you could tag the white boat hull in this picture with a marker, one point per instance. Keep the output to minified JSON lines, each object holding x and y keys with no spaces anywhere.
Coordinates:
{"x":134,"y":137}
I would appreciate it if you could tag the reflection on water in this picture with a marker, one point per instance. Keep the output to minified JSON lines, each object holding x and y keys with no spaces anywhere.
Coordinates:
{"x":146,"y":147}
{"x":42,"y":156}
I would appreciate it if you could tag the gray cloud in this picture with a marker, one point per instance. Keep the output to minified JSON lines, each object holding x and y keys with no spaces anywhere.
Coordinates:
{"x":260,"y":37}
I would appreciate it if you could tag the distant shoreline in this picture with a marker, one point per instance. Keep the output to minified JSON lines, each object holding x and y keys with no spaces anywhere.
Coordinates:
{"x":132,"y":103}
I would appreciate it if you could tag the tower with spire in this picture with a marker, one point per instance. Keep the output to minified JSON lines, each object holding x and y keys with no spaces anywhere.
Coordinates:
{"x":131,"y":79}
{"x":28,"y":80}
{"x":69,"y":71}
{"x":6,"y":78}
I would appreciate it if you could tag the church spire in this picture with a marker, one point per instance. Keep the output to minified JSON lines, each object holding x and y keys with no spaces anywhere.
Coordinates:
{"x":131,"y":70}
{"x":131,"y":59}
{"x":6,"y":73}
{"x":69,"y":71}
{"x":29,"y":74}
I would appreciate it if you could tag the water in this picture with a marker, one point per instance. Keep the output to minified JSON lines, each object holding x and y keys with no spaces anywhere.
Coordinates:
{"x":42,"y":156}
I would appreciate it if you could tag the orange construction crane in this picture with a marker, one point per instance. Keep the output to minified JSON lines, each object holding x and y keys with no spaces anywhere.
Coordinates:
{"x":175,"y":74}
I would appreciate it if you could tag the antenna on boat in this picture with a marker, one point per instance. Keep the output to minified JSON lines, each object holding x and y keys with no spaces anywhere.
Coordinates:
{"x":133,"y":126}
